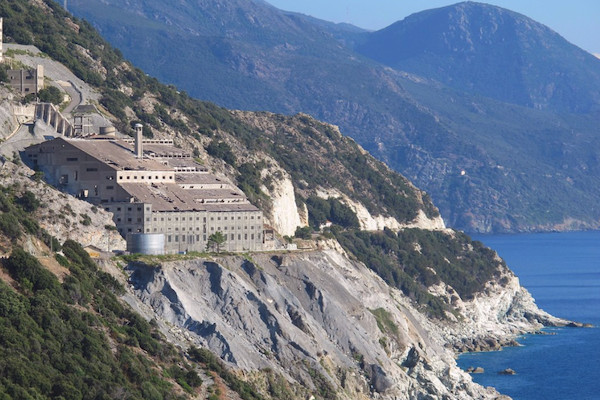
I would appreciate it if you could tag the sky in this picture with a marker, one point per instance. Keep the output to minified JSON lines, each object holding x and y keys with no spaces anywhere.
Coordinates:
{"x":578,"y":21}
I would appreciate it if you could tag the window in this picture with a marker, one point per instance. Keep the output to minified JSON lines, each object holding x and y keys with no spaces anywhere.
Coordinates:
{"x":169,"y":238}
{"x":245,"y":236}
{"x":107,"y":209}
{"x":139,"y":208}
{"x":128,"y":219}
{"x":177,"y":238}
{"x":239,"y":236}
{"x":120,"y":177}
{"x":128,"y":208}
{"x":91,"y":169}
{"x":252,"y":236}
{"x":183,"y":238}
{"x":110,"y":187}
{"x":118,"y":219}
{"x":118,"y":208}
{"x":231,"y":236}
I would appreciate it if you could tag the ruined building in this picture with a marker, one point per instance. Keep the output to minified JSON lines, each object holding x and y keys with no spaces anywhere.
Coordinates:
{"x":159,"y":195}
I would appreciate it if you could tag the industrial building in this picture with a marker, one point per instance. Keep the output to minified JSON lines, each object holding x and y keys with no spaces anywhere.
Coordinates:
{"x":159,"y":195}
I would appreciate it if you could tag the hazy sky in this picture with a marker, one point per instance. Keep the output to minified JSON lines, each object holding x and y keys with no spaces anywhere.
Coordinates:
{"x":576,"y":20}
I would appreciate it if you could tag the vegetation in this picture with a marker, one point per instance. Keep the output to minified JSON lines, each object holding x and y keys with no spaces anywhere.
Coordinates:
{"x":333,"y":210}
{"x":16,"y":213}
{"x":51,"y":94}
{"x":215,"y":241}
{"x":413,"y":259}
{"x":75,"y":340}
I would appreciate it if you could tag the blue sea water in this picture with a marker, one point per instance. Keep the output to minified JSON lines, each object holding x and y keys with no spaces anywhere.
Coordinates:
{"x":562,"y":272}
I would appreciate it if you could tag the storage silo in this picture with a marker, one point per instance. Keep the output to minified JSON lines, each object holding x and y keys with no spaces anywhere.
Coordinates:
{"x":146,"y":243}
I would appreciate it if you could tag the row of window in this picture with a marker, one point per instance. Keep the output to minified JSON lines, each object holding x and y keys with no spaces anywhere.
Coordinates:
{"x":197,"y":218}
{"x":190,"y":238}
{"x":144,"y":177}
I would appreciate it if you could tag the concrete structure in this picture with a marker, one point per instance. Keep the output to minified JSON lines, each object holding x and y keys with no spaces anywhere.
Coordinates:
{"x":27,"y":81}
{"x":162,"y":192}
{"x":48,"y":113}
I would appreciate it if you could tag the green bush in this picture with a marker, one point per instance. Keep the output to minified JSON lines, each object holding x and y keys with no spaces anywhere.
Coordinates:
{"x":51,"y":94}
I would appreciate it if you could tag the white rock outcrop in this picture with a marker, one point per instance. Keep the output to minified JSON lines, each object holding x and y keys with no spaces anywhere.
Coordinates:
{"x":283,"y":214}
{"x":368,"y":222}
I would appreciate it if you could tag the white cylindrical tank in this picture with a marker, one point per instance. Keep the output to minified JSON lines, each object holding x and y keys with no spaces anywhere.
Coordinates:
{"x":146,"y":243}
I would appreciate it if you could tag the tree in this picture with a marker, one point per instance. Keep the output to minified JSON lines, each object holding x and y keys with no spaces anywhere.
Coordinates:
{"x":216,"y":240}
{"x":51,"y":94}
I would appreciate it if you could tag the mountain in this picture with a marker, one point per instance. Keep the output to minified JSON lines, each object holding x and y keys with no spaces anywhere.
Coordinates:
{"x":526,"y":144}
{"x":376,"y":306}
{"x":493,"y":52}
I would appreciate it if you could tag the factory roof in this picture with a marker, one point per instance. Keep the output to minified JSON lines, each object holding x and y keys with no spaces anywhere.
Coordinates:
{"x":116,"y":154}
{"x":199,"y":178}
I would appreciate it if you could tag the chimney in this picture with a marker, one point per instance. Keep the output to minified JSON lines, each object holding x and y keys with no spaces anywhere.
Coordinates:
{"x":139,"y":151}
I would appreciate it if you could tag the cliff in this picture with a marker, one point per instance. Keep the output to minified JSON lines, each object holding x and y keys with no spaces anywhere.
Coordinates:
{"x":326,"y":323}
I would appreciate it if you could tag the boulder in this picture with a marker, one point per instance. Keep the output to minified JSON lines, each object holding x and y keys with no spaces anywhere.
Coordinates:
{"x":507,"y":371}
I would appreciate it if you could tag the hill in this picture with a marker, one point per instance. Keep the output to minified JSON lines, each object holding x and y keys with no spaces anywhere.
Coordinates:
{"x":527,"y":142}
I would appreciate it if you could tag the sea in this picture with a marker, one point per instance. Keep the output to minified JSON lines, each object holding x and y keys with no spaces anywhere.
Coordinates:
{"x":562,"y":272}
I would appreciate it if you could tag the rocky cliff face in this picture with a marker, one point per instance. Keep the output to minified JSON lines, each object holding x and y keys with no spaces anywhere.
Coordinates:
{"x":327,"y":323}
{"x":64,"y":216}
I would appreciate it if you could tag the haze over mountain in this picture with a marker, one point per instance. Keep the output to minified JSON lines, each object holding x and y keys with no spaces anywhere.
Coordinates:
{"x":510,"y":154}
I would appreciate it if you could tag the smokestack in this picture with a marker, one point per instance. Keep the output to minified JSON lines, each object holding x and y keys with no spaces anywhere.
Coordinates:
{"x":139,"y":151}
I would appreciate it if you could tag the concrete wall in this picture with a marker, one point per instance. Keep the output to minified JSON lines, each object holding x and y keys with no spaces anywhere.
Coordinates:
{"x":27,"y":81}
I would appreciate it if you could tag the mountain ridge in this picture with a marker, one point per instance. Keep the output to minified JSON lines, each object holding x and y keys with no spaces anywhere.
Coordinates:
{"x":454,"y":50}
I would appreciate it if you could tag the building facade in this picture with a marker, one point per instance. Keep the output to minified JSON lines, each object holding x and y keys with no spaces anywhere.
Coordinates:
{"x":27,"y":81}
{"x":152,"y":188}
